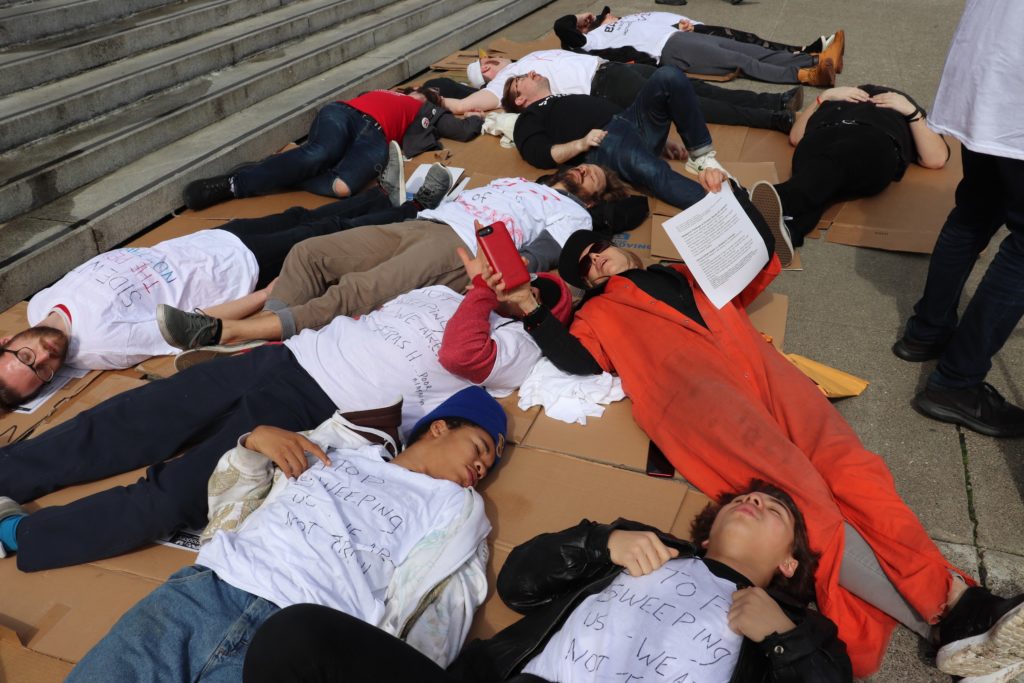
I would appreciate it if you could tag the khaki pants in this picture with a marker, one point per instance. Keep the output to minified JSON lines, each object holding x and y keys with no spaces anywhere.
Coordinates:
{"x":356,"y":271}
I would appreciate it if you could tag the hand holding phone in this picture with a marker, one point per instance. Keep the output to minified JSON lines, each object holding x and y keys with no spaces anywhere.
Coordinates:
{"x":500,"y":251}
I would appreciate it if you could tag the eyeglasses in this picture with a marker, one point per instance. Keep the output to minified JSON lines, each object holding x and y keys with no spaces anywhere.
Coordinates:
{"x":596,"y":248}
{"x":27,"y":356}
{"x":513,"y":88}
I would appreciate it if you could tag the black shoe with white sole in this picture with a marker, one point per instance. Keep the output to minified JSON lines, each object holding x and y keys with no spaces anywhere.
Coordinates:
{"x":982,"y":635}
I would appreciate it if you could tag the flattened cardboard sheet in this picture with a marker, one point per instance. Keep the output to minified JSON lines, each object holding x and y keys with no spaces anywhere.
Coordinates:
{"x":768,"y":314}
{"x":257,"y":207}
{"x":612,"y":439}
{"x":459,"y":60}
{"x":637,"y":240}
{"x":18,"y":663}
{"x":519,"y":420}
{"x":906,"y":216}
{"x":485,"y":155}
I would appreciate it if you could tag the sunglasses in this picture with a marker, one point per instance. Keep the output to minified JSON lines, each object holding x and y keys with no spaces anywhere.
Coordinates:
{"x":596,"y":248}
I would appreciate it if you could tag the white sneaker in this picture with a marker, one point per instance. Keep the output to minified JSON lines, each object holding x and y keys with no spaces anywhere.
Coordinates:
{"x":1001,"y":676}
{"x":697,"y":164}
{"x":766,"y":200}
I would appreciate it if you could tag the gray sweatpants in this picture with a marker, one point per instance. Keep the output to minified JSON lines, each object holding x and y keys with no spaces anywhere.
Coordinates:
{"x":713,"y":55}
{"x":355,"y":271}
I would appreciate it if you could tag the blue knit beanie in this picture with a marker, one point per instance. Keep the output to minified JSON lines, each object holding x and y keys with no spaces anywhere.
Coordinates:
{"x":477,"y":406}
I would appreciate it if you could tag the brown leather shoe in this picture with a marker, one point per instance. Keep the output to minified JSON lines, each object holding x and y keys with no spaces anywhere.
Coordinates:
{"x":835,"y":50}
{"x":821,"y":75}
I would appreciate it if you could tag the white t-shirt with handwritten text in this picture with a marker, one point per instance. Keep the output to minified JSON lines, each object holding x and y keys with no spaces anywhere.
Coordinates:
{"x":670,"y":625}
{"x":526,"y":208}
{"x":647,"y":32}
{"x":569,"y":73}
{"x":112,"y":298}
{"x":372,"y":360}
{"x":336,"y":534}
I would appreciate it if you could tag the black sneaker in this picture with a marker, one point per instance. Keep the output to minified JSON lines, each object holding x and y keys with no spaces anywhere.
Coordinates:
{"x":783,"y":120}
{"x":792,"y":100}
{"x":983,"y":634}
{"x":205,"y":192}
{"x":435,"y":187}
{"x":980,"y":408}
{"x":392,"y":176}
{"x":187,"y":330}
{"x":915,"y":351}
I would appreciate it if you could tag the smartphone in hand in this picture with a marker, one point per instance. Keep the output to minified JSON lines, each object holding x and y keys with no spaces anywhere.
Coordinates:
{"x":501,"y":253}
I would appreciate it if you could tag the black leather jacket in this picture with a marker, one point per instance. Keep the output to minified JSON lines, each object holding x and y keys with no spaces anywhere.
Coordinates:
{"x":548,"y":576}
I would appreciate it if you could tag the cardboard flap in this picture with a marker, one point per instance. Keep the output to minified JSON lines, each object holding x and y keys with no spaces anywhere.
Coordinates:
{"x":768,"y":314}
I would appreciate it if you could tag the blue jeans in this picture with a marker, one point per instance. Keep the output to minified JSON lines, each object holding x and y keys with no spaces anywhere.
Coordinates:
{"x":636,"y":137}
{"x":990,"y":194}
{"x":342,"y":144}
{"x":195,"y":627}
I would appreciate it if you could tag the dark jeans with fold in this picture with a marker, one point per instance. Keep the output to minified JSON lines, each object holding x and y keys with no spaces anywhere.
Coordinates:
{"x":991,"y":194}
{"x":202,"y":410}
{"x":636,"y":137}
{"x":833,"y":164}
{"x":270,"y":238}
{"x":315,"y":644}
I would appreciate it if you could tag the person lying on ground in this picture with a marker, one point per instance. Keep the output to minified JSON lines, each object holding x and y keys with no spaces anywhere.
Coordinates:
{"x":572,"y":73}
{"x":399,"y":544}
{"x":554,"y":130}
{"x":346,"y":148}
{"x":851,"y":143}
{"x":102,"y":315}
{"x":609,"y":602}
{"x":679,"y":356}
{"x":354,"y":272}
{"x":667,"y":38}
{"x":400,"y":351}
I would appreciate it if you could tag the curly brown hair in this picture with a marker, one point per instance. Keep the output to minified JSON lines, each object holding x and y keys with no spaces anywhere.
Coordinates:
{"x":800,"y":586}
{"x":614,"y":189}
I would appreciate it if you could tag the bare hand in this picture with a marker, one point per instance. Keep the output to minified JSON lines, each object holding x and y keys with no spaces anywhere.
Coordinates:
{"x":675,"y":150}
{"x":711,"y":179}
{"x":287,"y":449}
{"x":593,"y":139}
{"x":685,"y":25}
{"x":894,"y":101}
{"x":476,"y":265}
{"x":639,"y":552}
{"x":516,"y":302}
{"x":845,"y":94}
{"x":756,"y":616}
{"x":583,"y":21}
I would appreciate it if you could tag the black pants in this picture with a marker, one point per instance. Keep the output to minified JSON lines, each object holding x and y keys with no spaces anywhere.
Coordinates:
{"x":833,"y":164}
{"x":203,"y":409}
{"x":620,"y":83}
{"x":314,"y":644}
{"x":744,"y":37}
{"x":270,"y":238}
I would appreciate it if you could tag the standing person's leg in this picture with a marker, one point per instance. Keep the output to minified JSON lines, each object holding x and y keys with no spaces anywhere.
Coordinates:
{"x":316,"y":644}
{"x":174,"y":493}
{"x":334,"y":128}
{"x":193,"y":627}
{"x":399,"y":258}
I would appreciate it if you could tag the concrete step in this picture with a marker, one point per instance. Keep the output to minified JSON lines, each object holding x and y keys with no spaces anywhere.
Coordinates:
{"x":31,"y":114}
{"x":38,"y":247}
{"x":54,"y":58}
{"x":38,"y":173}
{"x":26,"y":21}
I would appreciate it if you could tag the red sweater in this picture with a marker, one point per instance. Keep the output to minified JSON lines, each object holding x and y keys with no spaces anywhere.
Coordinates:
{"x":467,"y":349}
{"x":393,"y":111}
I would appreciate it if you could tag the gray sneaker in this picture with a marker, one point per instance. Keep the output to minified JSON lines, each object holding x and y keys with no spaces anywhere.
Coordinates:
{"x":435,"y":187}
{"x":187,"y":330}
{"x":766,"y":200}
{"x":392,"y":177}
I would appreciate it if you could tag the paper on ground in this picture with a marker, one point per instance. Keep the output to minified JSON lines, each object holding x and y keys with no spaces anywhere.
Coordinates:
{"x":719,"y":244}
{"x":60,"y":378}
{"x":415,"y":181}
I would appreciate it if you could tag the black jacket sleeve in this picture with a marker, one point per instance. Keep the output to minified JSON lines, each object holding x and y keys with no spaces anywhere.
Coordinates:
{"x":810,"y":653}
{"x":533,"y":141}
{"x":452,"y":127}
{"x":559,"y":346}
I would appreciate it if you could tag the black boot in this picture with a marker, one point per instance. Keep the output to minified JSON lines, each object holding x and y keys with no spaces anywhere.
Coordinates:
{"x":205,"y":192}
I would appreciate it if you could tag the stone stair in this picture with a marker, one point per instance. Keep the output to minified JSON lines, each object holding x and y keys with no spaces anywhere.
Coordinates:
{"x":101,"y":127}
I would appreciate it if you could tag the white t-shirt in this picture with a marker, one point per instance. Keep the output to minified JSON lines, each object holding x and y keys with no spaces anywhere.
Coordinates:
{"x":671,"y":625}
{"x":335,"y":535}
{"x":526,"y":208}
{"x":647,"y":32}
{"x":112,"y":298}
{"x":981,"y":94}
{"x":569,"y":73}
{"x":392,"y":352}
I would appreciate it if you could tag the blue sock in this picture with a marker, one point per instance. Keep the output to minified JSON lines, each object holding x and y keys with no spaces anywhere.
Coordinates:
{"x":8,"y":532}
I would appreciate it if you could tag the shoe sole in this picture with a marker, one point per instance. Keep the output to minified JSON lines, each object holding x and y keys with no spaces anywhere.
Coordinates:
{"x":203,"y":354}
{"x":766,"y":200}
{"x":396,"y":157}
{"x":1001,"y":676}
{"x":942,"y":413}
{"x":1001,"y":647}
{"x":903,"y":353}
{"x":161,"y":322}
{"x":841,"y":42}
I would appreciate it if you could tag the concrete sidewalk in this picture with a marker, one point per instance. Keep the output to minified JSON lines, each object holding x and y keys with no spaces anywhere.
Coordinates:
{"x":848,"y":305}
